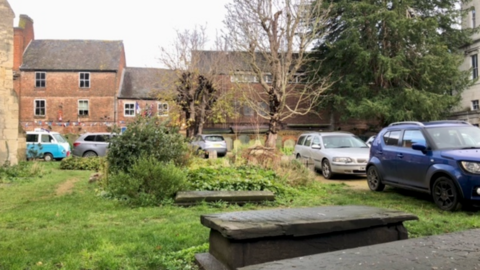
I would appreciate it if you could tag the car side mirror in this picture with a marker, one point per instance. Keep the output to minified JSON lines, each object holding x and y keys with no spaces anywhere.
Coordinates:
{"x":419,"y":147}
{"x":316,"y":146}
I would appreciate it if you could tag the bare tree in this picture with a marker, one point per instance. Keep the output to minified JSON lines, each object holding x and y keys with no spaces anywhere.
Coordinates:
{"x":275,"y":37}
{"x":197,"y":82}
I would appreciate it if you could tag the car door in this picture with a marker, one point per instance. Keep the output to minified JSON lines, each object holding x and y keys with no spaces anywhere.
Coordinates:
{"x":305,"y":150}
{"x":49,"y":145}
{"x":388,"y":155}
{"x":33,"y":146}
{"x":315,"y":151}
{"x":412,"y":165}
{"x":101,"y":144}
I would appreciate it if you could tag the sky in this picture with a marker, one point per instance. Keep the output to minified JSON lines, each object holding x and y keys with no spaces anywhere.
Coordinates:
{"x":143,"y":25}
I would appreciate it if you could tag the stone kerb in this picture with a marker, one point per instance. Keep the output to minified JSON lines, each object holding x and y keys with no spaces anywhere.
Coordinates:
{"x":245,"y":238}
{"x":458,"y":250}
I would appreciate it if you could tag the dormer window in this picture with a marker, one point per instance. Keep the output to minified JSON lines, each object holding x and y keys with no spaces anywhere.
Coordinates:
{"x":40,"y":79}
{"x":84,"y":80}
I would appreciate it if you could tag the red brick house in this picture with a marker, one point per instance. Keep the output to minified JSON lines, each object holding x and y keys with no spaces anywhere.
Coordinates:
{"x":77,"y":86}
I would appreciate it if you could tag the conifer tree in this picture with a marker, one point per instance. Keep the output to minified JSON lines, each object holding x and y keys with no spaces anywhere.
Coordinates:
{"x":394,"y":60}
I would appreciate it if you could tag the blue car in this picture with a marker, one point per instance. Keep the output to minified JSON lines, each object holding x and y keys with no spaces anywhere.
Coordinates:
{"x":441,"y":158}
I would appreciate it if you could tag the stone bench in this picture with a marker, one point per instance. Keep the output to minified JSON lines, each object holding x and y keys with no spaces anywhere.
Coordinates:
{"x":239,"y":197}
{"x":245,"y":238}
{"x":460,"y":250}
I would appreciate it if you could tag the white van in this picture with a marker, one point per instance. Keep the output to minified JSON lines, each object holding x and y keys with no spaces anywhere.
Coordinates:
{"x":46,"y":144}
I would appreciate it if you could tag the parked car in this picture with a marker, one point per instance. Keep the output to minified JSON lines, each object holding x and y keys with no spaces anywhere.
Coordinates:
{"x":46,"y":144}
{"x":370,"y":140}
{"x":333,"y":152}
{"x":440,"y":158}
{"x":92,"y":144}
{"x":210,"y":142}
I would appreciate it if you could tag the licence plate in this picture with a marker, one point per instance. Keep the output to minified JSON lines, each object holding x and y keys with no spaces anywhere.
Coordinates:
{"x":217,"y":145}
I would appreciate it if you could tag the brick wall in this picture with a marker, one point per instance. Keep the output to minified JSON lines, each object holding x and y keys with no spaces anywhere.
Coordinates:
{"x":62,"y":93}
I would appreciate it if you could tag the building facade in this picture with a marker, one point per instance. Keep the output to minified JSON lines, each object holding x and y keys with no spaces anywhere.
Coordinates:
{"x":469,"y":107}
{"x":12,"y":140}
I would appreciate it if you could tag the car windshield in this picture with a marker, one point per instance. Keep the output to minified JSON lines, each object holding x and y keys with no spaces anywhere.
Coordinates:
{"x":59,"y":138}
{"x":214,"y":138}
{"x":455,"y":137}
{"x":342,"y":141}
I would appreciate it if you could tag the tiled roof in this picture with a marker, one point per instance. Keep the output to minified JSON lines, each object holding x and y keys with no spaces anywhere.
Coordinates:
{"x":91,"y":55}
{"x":144,"y":83}
{"x":225,"y":62}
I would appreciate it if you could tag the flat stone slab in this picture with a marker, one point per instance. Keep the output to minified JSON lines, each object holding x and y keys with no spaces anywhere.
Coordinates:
{"x":192,"y":197}
{"x":301,"y":221}
{"x":245,"y":238}
{"x":460,"y":250}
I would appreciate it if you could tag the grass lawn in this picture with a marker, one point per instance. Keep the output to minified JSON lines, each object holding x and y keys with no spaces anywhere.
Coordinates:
{"x":57,"y":221}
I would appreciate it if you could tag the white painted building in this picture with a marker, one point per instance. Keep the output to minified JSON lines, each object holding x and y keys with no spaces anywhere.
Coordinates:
{"x":469,"y":107}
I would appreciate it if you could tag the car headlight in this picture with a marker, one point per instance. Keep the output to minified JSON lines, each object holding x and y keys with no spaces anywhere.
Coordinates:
{"x":471,"y":167}
{"x":342,"y":160}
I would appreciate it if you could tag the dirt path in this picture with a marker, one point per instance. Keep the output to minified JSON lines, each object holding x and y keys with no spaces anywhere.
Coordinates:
{"x":355,"y":182}
{"x":66,"y":187}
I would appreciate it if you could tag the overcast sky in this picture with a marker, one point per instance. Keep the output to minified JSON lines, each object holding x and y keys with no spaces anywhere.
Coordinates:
{"x":143,"y":25}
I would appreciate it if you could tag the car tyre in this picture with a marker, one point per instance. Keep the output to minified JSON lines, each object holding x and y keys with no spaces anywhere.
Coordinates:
{"x":48,"y":157}
{"x":90,"y":154}
{"x":445,"y":194}
{"x":326,"y":169}
{"x":374,"y":180}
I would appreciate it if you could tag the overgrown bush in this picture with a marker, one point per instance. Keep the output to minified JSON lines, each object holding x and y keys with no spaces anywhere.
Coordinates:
{"x":22,"y":172}
{"x":83,"y":163}
{"x":241,"y":178}
{"x":148,"y":182}
{"x":146,"y":137}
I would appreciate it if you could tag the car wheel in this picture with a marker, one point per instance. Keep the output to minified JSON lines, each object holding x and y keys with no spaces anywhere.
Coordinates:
{"x":90,"y":154}
{"x":445,"y":194}
{"x":326,"y":169}
{"x":374,"y":180}
{"x":48,"y":157}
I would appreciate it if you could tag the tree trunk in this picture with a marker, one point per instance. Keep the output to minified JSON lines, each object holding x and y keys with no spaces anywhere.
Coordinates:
{"x":273,"y":127}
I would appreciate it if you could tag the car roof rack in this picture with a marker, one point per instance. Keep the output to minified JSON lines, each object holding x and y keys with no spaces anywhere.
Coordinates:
{"x":407,"y":123}
{"x":449,"y":122}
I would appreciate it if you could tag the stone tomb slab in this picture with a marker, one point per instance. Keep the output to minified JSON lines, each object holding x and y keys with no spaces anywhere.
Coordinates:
{"x":245,"y":238}
{"x":460,"y":250}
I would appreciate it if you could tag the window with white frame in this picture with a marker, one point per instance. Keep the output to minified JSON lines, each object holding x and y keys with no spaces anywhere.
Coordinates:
{"x":264,"y":110}
{"x":84,"y":78}
{"x":236,"y":107}
{"x":129,"y":109}
{"x":40,"y":79}
{"x":475,"y":104}
{"x":83,"y":107}
{"x":247,"y":110}
{"x":298,"y":78}
{"x":268,"y":78}
{"x":244,"y":78}
{"x":162,"y":109}
{"x":474,"y":18}
{"x":40,"y":107}
{"x":474,"y":66}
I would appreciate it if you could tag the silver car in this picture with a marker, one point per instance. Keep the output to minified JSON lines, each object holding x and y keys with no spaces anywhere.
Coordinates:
{"x":333,"y":152}
{"x":92,"y":144}
{"x":209,"y":143}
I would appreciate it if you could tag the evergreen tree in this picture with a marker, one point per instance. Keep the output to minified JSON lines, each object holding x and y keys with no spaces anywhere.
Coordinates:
{"x":394,"y":60}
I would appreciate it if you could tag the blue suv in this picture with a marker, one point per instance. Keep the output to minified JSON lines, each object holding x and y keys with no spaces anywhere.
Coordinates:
{"x":441,"y":158}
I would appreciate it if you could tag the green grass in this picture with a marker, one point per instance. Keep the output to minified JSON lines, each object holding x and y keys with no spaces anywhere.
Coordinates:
{"x":40,"y":229}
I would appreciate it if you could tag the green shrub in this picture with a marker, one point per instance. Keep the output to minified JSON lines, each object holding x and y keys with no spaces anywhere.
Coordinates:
{"x":241,"y":178}
{"x":146,"y":137}
{"x":22,"y":172}
{"x":148,"y":182}
{"x":83,"y":163}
